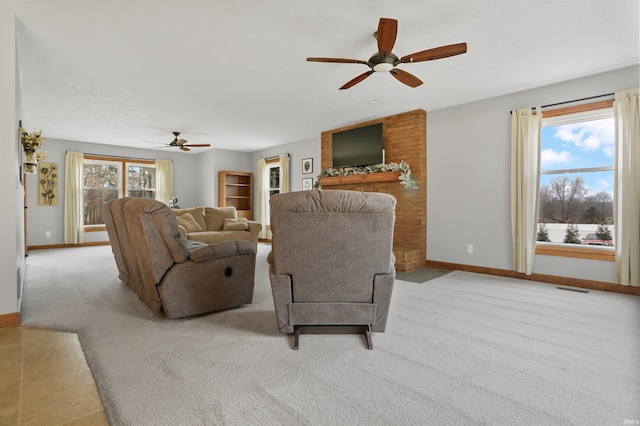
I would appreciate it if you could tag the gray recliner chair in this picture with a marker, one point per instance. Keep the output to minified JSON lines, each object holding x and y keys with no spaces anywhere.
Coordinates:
{"x":173,"y":276}
{"x":332,"y":259}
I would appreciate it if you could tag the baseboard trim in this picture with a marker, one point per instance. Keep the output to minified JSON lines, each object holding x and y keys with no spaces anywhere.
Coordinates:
{"x":55,"y":246}
{"x":10,"y":320}
{"x":547,"y":279}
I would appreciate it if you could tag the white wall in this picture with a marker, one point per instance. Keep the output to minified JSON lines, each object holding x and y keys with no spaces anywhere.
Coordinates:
{"x":468,"y":178}
{"x":298,"y":151}
{"x":209,"y":164}
{"x":11,"y":192}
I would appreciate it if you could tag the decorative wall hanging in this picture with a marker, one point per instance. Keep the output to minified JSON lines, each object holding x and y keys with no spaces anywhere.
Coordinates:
{"x":30,"y":144}
{"x":48,"y":184}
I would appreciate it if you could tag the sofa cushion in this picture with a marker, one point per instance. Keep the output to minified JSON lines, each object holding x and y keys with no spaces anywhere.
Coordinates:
{"x":223,"y":249}
{"x":193,"y":245}
{"x":207,"y":237}
{"x":215,"y":216}
{"x":239,"y":224}
{"x":237,"y":236}
{"x":188,"y":222}
{"x":196,"y":212}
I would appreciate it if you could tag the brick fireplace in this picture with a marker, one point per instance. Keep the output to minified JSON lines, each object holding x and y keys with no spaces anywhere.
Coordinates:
{"x":404,"y":138}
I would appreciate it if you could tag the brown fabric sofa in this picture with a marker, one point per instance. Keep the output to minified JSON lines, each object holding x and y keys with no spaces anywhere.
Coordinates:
{"x":171,"y":275}
{"x":215,"y":224}
{"x":332,"y":259}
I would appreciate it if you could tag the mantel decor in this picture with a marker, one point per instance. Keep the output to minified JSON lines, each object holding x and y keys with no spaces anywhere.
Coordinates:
{"x":31,"y":142}
{"x":405,"y":177}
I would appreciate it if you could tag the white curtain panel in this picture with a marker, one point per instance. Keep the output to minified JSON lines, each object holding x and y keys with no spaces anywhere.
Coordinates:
{"x":526,"y":129}
{"x":626,"y":108}
{"x":164,"y":180}
{"x":73,"y":203}
{"x":262,"y":198}
{"x":284,"y":173}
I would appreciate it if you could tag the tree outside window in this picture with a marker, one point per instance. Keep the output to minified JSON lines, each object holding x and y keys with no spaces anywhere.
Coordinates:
{"x":107,"y":178}
{"x":577,"y":176}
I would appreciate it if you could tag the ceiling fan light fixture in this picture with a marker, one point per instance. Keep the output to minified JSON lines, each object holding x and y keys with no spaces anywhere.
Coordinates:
{"x":383,"y":67}
{"x":384,"y":60}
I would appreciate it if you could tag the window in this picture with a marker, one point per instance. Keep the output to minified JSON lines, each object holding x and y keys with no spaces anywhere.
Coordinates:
{"x":273,"y":170}
{"x":577,"y":177}
{"x":272,"y":177}
{"x":106,"y":178}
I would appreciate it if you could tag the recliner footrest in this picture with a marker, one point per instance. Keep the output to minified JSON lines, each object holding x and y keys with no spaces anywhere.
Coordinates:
{"x":331,"y":313}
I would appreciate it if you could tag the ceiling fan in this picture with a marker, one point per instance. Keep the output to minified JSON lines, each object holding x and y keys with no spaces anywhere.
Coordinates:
{"x":182,"y":143}
{"x":385,"y":61}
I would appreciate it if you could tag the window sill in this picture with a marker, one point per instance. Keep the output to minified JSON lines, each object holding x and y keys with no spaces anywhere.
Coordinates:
{"x":95,"y":228}
{"x":576,"y":251}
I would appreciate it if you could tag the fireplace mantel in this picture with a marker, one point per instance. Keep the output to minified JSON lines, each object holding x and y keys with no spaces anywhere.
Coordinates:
{"x":363,"y":178}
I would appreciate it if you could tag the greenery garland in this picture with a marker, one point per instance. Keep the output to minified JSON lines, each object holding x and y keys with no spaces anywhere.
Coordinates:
{"x":406,"y":178}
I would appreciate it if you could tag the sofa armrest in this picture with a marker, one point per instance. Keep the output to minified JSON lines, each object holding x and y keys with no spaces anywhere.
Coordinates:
{"x":254,"y":228}
{"x":382,"y":289}
{"x":222,"y":249}
{"x":183,"y":232}
{"x":282,"y":298}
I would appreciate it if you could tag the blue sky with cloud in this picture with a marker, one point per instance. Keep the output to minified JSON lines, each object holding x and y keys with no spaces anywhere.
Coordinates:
{"x":584,"y":144}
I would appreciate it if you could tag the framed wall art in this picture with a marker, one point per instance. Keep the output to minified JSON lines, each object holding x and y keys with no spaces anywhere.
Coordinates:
{"x":307,"y":165}
{"x":307,"y":184}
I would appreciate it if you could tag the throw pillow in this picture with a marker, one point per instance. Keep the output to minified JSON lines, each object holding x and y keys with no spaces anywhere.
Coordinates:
{"x":235,"y":224}
{"x":215,"y":216}
{"x":187,"y":221}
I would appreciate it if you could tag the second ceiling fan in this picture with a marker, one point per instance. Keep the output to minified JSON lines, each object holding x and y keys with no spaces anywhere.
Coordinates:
{"x":386,"y":61}
{"x":182,"y":143}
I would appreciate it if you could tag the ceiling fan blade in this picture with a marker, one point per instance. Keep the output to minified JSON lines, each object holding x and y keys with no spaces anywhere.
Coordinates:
{"x":184,"y":148}
{"x":337,"y":60}
{"x":406,"y":78}
{"x":436,"y":53}
{"x":196,"y":145}
{"x":386,"y":35}
{"x":181,"y":142}
{"x":357,"y":80}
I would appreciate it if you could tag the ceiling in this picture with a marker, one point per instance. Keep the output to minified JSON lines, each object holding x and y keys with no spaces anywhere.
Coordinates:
{"x":235,"y":75}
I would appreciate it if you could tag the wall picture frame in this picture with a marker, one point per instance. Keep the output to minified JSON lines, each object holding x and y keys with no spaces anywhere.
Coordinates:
{"x":307,"y":165}
{"x":307,"y":184}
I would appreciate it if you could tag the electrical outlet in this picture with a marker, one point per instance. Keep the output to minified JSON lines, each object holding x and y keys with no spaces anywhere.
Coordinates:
{"x":470,"y":248}
{"x":47,"y":234}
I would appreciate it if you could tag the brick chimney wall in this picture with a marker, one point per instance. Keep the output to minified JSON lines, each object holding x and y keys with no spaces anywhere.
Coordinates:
{"x":404,"y":138}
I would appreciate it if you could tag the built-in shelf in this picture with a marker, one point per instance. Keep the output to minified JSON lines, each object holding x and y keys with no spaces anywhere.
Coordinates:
{"x":364,"y":178}
{"x":235,"y":189}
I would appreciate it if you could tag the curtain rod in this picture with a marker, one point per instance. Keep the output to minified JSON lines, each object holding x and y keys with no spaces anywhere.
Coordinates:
{"x":575,"y":100}
{"x":119,"y":156}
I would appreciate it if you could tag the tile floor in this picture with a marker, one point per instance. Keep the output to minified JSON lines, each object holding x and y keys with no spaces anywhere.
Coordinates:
{"x":45,"y":380}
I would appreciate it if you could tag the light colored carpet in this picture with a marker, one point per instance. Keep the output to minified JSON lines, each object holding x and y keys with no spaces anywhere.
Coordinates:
{"x":465,"y":349}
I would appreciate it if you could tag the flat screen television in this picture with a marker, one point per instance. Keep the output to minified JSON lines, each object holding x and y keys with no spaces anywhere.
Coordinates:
{"x":358,"y":147}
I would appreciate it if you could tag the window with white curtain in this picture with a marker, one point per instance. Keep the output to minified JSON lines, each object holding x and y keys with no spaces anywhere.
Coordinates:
{"x":577,"y":171}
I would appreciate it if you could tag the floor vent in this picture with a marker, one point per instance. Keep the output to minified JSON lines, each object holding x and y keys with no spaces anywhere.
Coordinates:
{"x":577,"y":290}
